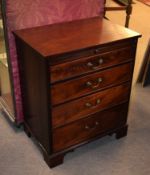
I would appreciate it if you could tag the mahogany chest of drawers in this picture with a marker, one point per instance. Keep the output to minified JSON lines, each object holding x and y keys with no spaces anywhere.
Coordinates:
{"x":76,"y":81}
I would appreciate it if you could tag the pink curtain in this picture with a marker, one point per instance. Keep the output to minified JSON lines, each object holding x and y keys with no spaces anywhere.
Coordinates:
{"x":30,"y":13}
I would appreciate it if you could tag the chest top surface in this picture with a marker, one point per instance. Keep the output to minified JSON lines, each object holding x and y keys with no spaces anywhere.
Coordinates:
{"x":65,"y":37}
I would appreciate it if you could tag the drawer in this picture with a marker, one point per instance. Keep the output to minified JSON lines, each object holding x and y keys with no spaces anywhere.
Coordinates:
{"x":82,"y":107}
{"x":68,"y":90}
{"x":90,"y":64}
{"x":87,"y":128}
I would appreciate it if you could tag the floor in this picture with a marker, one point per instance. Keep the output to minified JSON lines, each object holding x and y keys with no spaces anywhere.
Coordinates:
{"x":19,"y":155}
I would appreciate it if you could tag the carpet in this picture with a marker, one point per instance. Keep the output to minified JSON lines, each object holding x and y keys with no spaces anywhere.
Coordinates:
{"x":146,"y":2}
{"x":19,"y":155}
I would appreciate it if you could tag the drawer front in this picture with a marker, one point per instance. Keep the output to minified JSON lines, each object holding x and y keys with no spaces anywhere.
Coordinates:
{"x":68,"y":90}
{"x":82,"y":107}
{"x":87,"y":128}
{"x":90,"y":64}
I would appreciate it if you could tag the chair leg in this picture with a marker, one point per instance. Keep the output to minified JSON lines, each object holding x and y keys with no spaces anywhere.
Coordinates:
{"x":128,"y":13}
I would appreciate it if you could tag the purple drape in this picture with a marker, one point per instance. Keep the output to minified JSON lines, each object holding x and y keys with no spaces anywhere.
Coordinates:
{"x":30,"y":13}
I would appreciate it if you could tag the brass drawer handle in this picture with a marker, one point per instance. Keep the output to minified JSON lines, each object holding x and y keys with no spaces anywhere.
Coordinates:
{"x":92,"y":127}
{"x":93,"y":85}
{"x":94,"y":67}
{"x":89,"y":105}
{"x":97,"y":51}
